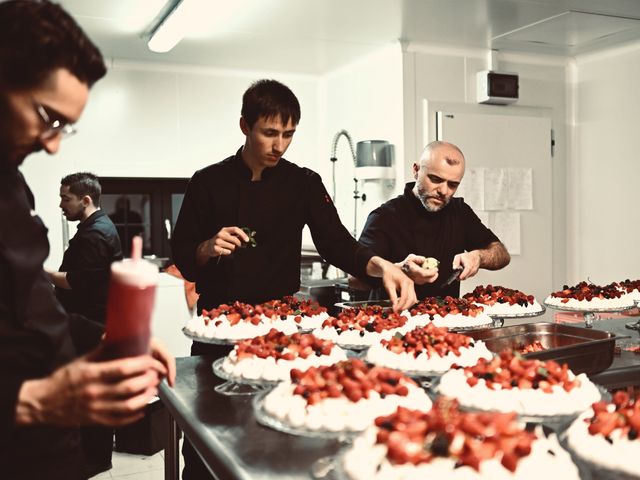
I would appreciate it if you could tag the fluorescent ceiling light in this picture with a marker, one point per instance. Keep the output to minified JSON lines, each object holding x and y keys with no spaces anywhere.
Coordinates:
{"x":199,"y":18}
{"x":171,"y":27}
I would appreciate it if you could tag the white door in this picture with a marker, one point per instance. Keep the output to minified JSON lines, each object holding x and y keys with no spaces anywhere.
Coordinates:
{"x":495,"y":143}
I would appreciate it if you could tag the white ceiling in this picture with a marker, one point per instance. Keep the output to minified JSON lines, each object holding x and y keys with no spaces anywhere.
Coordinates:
{"x":316,"y":36}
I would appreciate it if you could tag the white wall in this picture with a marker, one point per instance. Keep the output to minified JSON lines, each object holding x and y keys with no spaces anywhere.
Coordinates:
{"x":448,"y":76}
{"x":608,"y":171}
{"x":154,"y":120}
{"x":364,"y":98}
{"x":168,"y":120}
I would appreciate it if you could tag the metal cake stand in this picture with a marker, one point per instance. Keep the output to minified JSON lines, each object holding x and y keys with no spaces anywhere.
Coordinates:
{"x":590,"y":314}
{"x":634,"y":325}
{"x":499,"y":318}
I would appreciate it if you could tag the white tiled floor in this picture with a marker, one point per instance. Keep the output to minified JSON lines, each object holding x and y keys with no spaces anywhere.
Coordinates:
{"x":136,"y":467}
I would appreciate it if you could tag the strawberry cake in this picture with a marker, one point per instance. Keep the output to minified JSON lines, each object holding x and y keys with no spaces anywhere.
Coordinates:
{"x":308,"y":314}
{"x":344,"y":397}
{"x":529,"y":387}
{"x":607,"y":435}
{"x":363,"y":327}
{"x":587,"y":296}
{"x":498,"y":300}
{"x":428,"y":349}
{"x":445,"y":443}
{"x":272,"y":356}
{"x":450,"y":312}
{"x":630,"y":288}
{"x":237,"y":321}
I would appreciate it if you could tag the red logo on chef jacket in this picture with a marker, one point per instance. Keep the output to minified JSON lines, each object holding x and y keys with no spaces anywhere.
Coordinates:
{"x":327,"y":198}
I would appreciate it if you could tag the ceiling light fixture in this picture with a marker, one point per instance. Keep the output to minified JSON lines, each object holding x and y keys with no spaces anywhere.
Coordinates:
{"x":170,"y":26}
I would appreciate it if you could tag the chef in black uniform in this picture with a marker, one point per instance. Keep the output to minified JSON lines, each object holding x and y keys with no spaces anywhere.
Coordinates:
{"x":428,"y":221}
{"x":258,"y":190}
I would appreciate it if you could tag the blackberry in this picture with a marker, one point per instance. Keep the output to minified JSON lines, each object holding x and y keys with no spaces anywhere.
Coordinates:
{"x":440,"y":445}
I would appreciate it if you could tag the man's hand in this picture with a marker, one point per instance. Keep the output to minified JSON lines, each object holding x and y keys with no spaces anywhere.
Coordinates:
{"x":86,"y":392}
{"x":393,"y":280}
{"x":412,"y":266}
{"x":470,"y":261}
{"x":59,"y":279}
{"x":222,"y":243}
{"x":160,"y":353}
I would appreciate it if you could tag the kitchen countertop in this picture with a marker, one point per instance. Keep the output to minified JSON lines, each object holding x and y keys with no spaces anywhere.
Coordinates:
{"x":224,"y":431}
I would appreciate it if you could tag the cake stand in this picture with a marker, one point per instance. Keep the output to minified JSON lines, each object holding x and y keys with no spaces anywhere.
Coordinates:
{"x":322,"y":468}
{"x":634,"y":325}
{"x":231,"y":387}
{"x":590,"y":314}
{"x":498,"y":318}
{"x":236,"y":385}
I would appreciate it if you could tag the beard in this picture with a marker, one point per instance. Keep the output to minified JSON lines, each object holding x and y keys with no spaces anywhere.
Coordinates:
{"x":13,"y":151}
{"x":75,"y":216}
{"x":424,"y":198}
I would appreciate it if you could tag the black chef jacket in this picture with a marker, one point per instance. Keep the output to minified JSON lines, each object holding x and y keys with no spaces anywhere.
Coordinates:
{"x":34,"y":339}
{"x":277,"y":207}
{"x":87,"y":262}
{"x":402,"y":226}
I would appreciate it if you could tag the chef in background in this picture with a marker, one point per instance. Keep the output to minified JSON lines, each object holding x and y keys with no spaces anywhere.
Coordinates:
{"x":82,"y":284}
{"x":426,"y":221}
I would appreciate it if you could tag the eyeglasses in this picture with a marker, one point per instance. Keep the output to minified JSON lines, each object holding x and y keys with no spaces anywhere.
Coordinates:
{"x":53,"y":126}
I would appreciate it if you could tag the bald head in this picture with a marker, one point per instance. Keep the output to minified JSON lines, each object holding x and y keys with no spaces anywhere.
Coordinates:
{"x":438,"y":174}
{"x":444,"y":152}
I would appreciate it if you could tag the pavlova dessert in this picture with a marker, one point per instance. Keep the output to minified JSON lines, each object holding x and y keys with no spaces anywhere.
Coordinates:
{"x":307,"y":314}
{"x":510,"y":383}
{"x":237,"y":321}
{"x":587,"y":296}
{"x":449,"y":312}
{"x":498,"y":300}
{"x":365,"y":326}
{"x":271,"y":357}
{"x":630,"y":288}
{"x":344,"y":397}
{"x":607,"y":435}
{"x":428,"y":349}
{"x":445,"y":443}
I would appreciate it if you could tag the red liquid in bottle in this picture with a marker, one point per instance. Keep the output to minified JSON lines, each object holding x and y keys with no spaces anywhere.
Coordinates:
{"x":128,"y":323}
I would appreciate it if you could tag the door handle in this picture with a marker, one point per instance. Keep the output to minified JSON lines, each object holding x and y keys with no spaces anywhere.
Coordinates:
{"x":167,"y":227}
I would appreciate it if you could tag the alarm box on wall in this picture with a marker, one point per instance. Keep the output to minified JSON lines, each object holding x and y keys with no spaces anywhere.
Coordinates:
{"x":498,"y":88}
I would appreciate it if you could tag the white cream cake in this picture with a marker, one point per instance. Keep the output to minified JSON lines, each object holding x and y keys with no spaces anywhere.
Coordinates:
{"x":345,"y":397}
{"x":412,"y":445}
{"x":271,"y":357}
{"x":449,"y":312}
{"x":428,"y":349}
{"x":607,"y":435}
{"x":235,"y":322}
{"x":526,"y":386}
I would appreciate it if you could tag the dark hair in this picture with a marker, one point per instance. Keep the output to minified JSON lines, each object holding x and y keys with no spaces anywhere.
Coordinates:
{"x":83,"y":183}
{"x":270,"y":98}
{"x":38,"y":37}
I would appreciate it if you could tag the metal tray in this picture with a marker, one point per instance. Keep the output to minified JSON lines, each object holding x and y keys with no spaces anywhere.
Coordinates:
{"x":585,"y":350}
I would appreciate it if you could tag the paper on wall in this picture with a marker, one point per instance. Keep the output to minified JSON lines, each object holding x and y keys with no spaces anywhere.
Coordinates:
{"x":496,"y":189}
{"x":506,"y":225}
{"x":520,"y":182}
{"x":472,"y":188}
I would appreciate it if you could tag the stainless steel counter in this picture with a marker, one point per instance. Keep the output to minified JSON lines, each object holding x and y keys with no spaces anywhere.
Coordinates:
{"x":233,"y":446}
{"x":224,"y":431}
{"x":625,"y":369}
